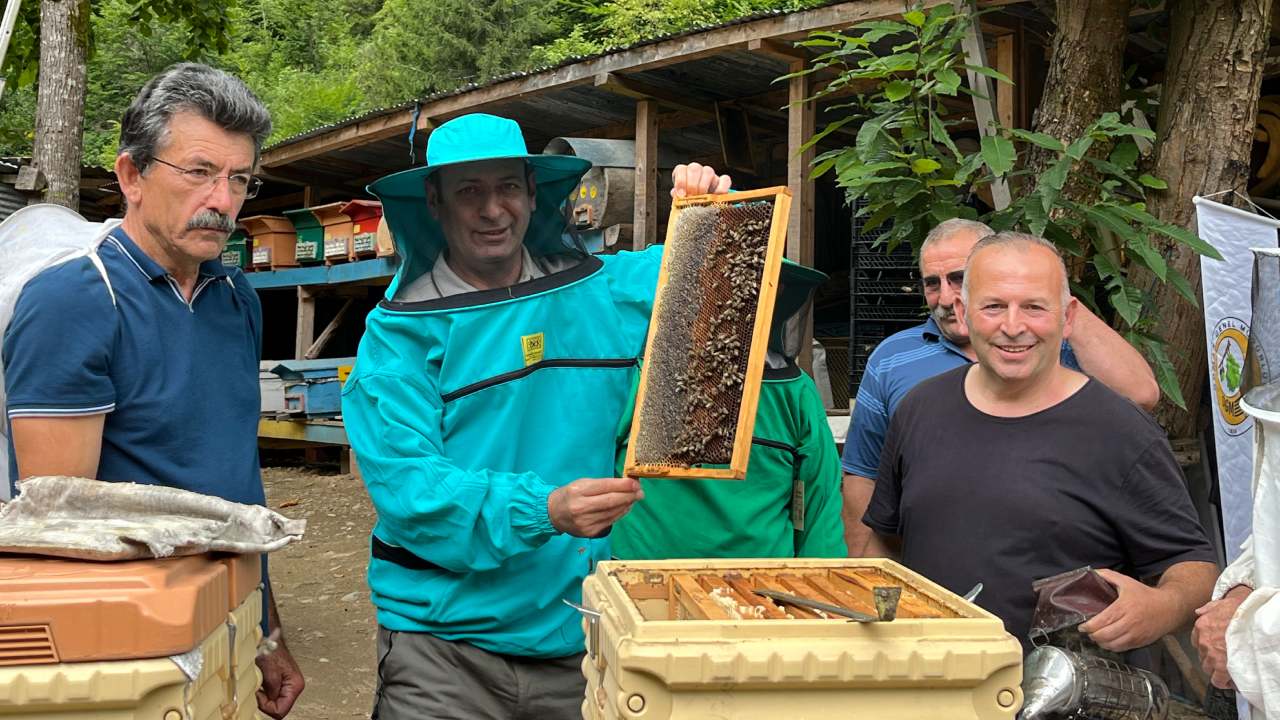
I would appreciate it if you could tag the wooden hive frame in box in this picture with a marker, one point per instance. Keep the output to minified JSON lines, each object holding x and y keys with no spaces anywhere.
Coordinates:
{"x":661,"y":331}
{"x":702,"y":594}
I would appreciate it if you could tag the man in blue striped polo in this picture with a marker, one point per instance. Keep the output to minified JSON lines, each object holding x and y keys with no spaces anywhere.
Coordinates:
{"x":941,"y":343}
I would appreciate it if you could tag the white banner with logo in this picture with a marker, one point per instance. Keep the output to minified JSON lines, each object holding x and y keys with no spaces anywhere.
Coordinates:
{"x":1226,"y":286}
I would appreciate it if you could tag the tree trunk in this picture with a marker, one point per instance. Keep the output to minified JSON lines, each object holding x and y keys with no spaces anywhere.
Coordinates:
{"x":64,"y":39}
{"x":1086,"y":72}
{"x":1208,"y":109}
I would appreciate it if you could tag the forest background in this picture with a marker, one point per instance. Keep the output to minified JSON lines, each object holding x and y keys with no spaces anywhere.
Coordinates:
{"x":315,"y":62}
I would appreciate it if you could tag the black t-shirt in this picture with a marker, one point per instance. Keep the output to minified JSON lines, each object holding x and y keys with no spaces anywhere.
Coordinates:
{"x":1005,"y":501}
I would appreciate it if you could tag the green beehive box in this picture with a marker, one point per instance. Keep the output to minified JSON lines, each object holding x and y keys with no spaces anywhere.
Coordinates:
{"x":236,"y":253}
{"x":310,"y":247}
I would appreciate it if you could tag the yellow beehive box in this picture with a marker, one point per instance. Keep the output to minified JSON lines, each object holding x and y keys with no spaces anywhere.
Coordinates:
{"x":651,"y":656}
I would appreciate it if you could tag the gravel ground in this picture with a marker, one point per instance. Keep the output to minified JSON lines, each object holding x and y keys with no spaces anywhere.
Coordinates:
{"x":321,"y":592}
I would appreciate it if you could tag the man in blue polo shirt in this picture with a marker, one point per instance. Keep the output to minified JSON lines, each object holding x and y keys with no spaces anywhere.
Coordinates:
{"x":146,"y":370}
{"x":942,"y":343}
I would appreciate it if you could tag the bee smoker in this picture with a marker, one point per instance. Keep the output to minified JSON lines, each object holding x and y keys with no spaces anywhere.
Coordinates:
{"x":1066,"y":685}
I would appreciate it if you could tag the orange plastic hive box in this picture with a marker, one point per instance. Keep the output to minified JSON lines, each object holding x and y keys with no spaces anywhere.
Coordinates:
{"x":54,"y":610}
{"x":337,"y":231}
{"x":88,"y":640}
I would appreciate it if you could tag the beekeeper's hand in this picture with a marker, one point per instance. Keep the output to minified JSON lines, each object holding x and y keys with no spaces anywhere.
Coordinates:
{"x":1210,"y":634}
{"x":588,"y":507}
{"x":1143,"y":614}
{"x":282,"y":682}
{"x":696,"y":179}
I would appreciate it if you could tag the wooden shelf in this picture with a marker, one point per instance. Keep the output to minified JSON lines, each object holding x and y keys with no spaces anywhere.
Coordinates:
{"x":382,"y":268}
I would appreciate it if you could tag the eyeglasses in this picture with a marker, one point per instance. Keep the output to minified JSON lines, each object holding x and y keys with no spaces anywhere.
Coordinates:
{"x":241,"y":184}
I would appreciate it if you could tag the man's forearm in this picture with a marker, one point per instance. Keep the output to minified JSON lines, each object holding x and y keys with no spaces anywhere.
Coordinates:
{"x":1103,"y":354}
{"x":884,"y":546}
{"x":857,"y":492}
{"x":1187,"y":585}
{"x":273,"y":615}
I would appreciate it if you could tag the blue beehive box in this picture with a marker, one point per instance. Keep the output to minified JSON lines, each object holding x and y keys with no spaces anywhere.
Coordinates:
{"x":313,"y":388}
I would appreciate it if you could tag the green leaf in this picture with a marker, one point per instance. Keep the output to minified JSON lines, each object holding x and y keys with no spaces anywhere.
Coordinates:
{"x":915,"y":17}
{"x":1187,"y":238}
{"x":1065,"y":241}
{"x":1152,"y":181}
{"x":1037,"y":217}
{"x":1106,"y":268}
{"x":998,"y":154}
{"x":897,"y":90}
{"x":1104,"y":219}
{"x":1123,"y":300}
{"x":940,"y":133}
{"x":1125,"y":155}
{"x":948,"y":80}
{"x":1078,"y":148}
{"x":1183,"y":286}
{"x":1166,"y":374}
{"x":925,"y":166}
{"x":1039,"y":139}
{"x":984,"y":70}
{"x":821,"y":168}
{"x":1050,"y":185}
{"x":1149,"y":256}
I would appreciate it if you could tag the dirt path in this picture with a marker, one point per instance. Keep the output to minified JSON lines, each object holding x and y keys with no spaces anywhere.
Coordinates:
{"x":321,"y":591}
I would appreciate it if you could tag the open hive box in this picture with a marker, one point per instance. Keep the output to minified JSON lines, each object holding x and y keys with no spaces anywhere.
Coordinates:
{"x":691,"y":639}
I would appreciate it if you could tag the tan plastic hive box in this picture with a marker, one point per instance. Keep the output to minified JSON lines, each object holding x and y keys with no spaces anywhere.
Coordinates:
{"x":151,"y":689}
{"x":941,"y":658}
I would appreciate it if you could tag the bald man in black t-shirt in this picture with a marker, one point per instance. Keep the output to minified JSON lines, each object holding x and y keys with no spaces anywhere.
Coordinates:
{"x":1017,"y":468}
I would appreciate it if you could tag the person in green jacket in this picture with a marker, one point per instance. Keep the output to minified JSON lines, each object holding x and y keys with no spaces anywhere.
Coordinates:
{"x":789,"y":503}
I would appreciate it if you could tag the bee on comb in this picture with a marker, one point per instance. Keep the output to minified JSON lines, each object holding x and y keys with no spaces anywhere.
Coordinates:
{"x":704,"y":360}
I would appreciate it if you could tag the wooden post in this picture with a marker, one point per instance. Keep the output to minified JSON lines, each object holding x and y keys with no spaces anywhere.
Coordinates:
{"x":800,"y":127}
{"x":645,"y":218}
{"x":975,"y":53}
{"x":306,"y":334}
{"x":1005,"y":94}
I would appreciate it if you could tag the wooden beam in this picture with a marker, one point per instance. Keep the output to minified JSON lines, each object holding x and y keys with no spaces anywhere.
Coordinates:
{"x":306,"y":323}
{"x":645,"y":215}
{"x":640,"y":90}
{"x":377,"y":127}
{"x":645,"y":57}
{"x":313,"y":352}
{"x":800,"y":127}
{"x":975,"y":52}
{"x":627,"y":130}
{"x":1005,"y":94}
{"x":783,"y":51}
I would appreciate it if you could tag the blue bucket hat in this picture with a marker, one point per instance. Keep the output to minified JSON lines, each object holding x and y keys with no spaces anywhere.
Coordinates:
{"x":467,"y":139}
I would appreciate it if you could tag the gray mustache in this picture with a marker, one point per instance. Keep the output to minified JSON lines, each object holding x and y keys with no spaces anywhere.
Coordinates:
{"x":211,"y":220}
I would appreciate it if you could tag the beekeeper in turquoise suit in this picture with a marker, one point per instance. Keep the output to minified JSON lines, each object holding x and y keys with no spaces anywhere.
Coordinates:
{"x":482,"y":409}
{"x":789,"y":503}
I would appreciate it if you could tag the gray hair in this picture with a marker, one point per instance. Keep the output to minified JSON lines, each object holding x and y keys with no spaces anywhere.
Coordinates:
{"x":947,"y":228}
{"x":218,"y":97}
{"x":1015,"y":239}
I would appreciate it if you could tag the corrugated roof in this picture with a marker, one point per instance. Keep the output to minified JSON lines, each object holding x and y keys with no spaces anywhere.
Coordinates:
{"x":468,"y":87}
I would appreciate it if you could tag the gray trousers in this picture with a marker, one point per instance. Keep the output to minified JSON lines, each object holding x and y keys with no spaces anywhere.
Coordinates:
{"x":421,"y":677}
